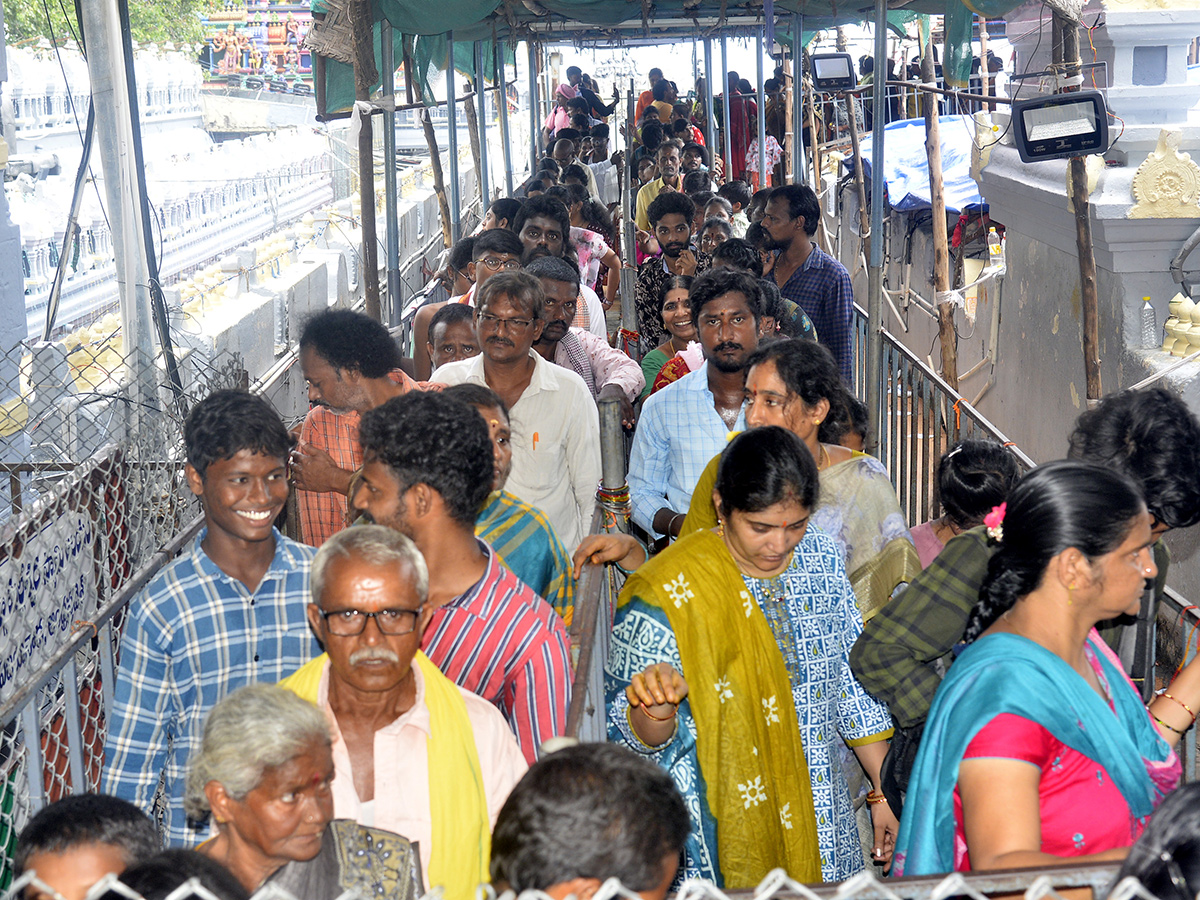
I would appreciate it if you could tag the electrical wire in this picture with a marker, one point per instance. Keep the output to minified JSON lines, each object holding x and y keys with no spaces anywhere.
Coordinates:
{"x":1032,"y":56}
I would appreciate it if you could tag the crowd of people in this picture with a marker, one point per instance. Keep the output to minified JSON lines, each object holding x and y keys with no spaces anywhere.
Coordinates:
{"x":797,"y":676}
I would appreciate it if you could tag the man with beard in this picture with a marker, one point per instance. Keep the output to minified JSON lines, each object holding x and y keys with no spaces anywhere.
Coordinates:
{"x":428,"y":469}
{"x":669,"y":157}
{"x":555,"y":428}
{"x":806,"y":274}
{"x":544,"y":227}
{"x":671,"y":217}
{"x":351,"y":365}
{"x":605,"y":371}
{"x":687,"y":423}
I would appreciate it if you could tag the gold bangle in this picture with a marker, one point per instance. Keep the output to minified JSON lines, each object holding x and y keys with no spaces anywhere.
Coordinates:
{"x":1187,"y":708}
{"x":873,"y":797}
{"x":649,"y":715}
{"x":1166,"y":725}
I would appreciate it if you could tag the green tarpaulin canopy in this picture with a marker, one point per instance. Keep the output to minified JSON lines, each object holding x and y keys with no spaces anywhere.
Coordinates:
{"x":423,"y":25}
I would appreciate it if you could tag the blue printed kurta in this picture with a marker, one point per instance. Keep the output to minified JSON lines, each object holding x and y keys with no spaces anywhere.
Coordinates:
{"x":813,"y":614}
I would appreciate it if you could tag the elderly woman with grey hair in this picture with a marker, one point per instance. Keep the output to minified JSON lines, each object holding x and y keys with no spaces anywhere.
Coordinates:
{"x":263,"y":774}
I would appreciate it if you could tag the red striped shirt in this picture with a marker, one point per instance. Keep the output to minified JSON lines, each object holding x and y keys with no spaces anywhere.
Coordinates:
{"x":503,"y":642}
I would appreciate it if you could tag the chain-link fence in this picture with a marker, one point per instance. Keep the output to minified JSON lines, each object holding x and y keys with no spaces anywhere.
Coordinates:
{"x":92,"y":503}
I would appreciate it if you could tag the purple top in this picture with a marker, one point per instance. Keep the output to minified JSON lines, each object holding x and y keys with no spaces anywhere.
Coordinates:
{"x":927,"y":543}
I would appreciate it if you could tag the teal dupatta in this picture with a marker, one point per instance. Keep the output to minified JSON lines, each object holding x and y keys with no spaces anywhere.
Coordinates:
{"x":1006,"y":673}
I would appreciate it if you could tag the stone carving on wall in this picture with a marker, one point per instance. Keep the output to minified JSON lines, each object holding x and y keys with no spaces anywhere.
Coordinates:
{"x":1167,"y":184}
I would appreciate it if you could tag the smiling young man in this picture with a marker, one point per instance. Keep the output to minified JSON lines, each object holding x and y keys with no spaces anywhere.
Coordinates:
{"x":228,"y":612}
{"x":687,"y":423}
{"x":670,"y":217}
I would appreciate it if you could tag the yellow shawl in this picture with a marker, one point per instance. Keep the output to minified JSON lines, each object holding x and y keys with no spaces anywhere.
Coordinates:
{"x":462,"y":839}
{"x":865,"y":503}
{"x":747,"y":736}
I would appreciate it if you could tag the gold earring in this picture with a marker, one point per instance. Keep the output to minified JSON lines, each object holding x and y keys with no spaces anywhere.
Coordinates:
{"x":720,"y":528}
{"x":1070,"y":589}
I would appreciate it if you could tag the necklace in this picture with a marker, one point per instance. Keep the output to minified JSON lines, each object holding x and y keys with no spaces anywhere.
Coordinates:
{"x":728,"y":416}
{"x":822,"y":454}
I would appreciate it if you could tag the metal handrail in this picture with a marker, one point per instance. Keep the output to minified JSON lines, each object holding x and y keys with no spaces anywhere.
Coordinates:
{"x":1099,"y":876}
{"x":1187,"y":617}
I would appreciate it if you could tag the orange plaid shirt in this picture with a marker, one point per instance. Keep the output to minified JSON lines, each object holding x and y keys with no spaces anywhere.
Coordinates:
{"x":324,"y":513}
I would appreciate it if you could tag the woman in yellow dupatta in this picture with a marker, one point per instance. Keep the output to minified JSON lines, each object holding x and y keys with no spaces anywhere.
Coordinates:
{"x":711,"y":640}
{"x":796,"y":384}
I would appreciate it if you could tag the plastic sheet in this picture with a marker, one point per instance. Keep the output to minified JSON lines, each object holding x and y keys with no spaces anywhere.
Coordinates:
{"x":906,"y":168}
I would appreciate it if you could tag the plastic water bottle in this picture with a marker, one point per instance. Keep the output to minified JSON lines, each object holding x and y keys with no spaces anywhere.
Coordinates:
{"x":1149,"y":326}
{"x":995,"y":251}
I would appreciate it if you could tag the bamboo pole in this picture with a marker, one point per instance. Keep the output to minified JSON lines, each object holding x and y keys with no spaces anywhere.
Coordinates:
{"x":941,"y":248}
{"x":435,"y":155}
{"x":864,"y":222}
{"x":985,"y":76}
{"x":1081,"y":201}
{"x":365,"y":75}
{"x":468,"y":102}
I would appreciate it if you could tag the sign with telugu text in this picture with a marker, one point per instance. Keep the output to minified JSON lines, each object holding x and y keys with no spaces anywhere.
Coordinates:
{"x":43,"y":592}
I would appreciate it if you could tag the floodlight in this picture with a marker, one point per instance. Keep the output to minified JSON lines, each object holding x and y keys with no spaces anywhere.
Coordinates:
{"x":1060,"y":126}
{"x":832,"y":72}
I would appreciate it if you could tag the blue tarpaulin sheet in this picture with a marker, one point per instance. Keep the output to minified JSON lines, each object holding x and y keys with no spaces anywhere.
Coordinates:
{"x":906,"y":168}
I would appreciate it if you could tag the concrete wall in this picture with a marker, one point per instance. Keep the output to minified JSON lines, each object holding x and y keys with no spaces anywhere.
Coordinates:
{"x":1040,"y":384}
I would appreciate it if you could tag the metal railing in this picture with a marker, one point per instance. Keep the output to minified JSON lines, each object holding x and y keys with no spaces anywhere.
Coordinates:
{"x":1177,"y":632}
{"x":1040,"y":883}
{"x":921,"y":418}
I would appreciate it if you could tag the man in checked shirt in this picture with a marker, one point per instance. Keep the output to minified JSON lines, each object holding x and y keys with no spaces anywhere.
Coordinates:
{"x":228,"y":612}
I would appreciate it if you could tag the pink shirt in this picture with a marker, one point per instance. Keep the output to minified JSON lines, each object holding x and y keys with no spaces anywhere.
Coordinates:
{"x":401,"y":802}
{"x":608,"y":365}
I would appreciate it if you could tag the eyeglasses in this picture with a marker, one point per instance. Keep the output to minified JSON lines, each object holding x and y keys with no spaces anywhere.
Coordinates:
{"x":495,"y":264}
{"x":351,"y":622}
{"x":504,"y":324}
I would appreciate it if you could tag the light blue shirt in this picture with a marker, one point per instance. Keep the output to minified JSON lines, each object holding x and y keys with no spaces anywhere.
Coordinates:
{"x":678,"y":433}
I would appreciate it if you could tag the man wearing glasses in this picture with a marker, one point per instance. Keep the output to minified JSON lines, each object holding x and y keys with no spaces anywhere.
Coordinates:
{"x":428,"y":470}
{"x":495,"y":250}
{"x":402,"y":732}
{"x":555,"y":427}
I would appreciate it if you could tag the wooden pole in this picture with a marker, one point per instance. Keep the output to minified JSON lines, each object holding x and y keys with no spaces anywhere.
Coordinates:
{"x":435,"y":155}
{"x":1081,"y":201}
{"x":941,"y":247}
{"x":814,"y":139}
{"x":985,"y":76}
{"x":473,"y":135}
{"x":864,"y":220}
{"x":365,"y":75}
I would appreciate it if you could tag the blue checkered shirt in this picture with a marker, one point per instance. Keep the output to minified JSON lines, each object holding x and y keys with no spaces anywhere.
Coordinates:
{"x":677,"y":435}
{"x":191,"y":637}
{"x":821,"y":287}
